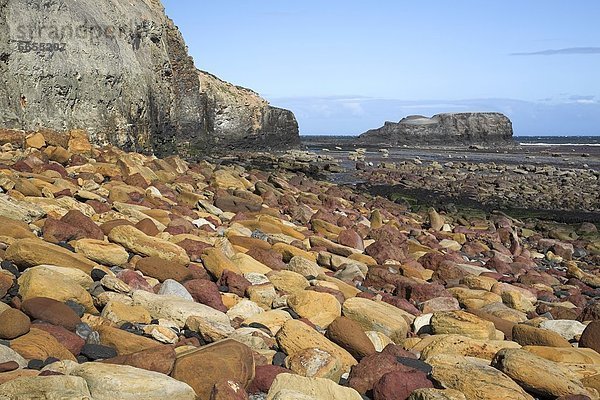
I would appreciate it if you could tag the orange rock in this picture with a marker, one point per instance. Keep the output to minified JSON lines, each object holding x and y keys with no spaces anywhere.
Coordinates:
{"x":209,"y":365}
{"x":39,"y":345}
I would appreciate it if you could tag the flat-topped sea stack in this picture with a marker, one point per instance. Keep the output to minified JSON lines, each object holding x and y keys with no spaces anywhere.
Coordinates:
{"x":447,"y":128}
{"x":121,"y":71}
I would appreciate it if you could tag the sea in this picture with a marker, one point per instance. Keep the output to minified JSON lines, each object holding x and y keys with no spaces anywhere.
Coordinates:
{"x":593,"y":141}
{"x":539,"y":141}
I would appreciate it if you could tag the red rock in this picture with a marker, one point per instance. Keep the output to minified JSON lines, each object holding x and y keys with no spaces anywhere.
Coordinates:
{"x":350,"y":238}
{"x":78,"y":159}
{"x":13,"y":323}
{"x":326,"y":216}
{"x":85,"y":224}
{"x":426,"y":291}
{"x":493,"y":275}
{"x":22,"y":166}
{"x":237,"y":284}
{"x":533,"y":277}
{"x":264,"y":377}
{"x":432,"y":261}
{"x":270,"y":258}
{"x":387,"y":249}
{"x":68,"y":339}
{"x":498,"y":265}
{"x":448,"y":271}
{"x":51,"y":311}
{"x":564,"y":250}
{"x":16,"y":302}
{"x":371,"y":369}
{"x":206,"y":292}
{"x":577,"y":299}
{"x":382,"y":278}
{"x":55,"y":138}
{"x":398,"y":385}
{"x":398,"y":351}
{"x":148,"y":227}
{"x":473,"y":249}
{"x":389,"y":233}
{"x":193,"y":248}
{"x":590,"y":337}
{"x":134,"y":280}
{"x":402,"y":304}
{"x":162,"y":269}
{"x":228,"y":390}
{"x":565,"y":313}
{"x":181,"y":225}
{"x":99,"y":207}
{"x":198,"y":271}
{"x":8,"y":366}
{"x":159,"y":359}
{"x":136,"y":180}
{"x":56,"y":231}
{"x":166,"y":192}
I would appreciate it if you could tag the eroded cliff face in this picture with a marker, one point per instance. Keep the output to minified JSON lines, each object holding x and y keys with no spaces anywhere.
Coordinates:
{"x":449,"y":128}
{"x":239,"y":118}
{"x":118,"y":68}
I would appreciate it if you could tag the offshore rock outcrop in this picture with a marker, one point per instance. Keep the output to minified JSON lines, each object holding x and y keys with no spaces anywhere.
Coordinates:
{"x":118,"y":69}
{"x":447,"y":128}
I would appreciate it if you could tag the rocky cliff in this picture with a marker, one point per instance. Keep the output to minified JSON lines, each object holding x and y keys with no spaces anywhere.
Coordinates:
{"x":239,"y":118}
{"x":119,"y":69}
{"x":450,"y":128}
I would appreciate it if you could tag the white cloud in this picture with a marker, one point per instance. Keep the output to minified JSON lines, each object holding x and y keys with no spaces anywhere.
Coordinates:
{"x":440,"y":105}
{"x":355,"y":108}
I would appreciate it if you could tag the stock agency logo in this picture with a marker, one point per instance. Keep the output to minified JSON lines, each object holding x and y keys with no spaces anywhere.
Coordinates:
{"x":50,"y":38}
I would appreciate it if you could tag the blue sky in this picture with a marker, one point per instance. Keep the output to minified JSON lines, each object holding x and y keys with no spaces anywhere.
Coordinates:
{"x":347,"y":66}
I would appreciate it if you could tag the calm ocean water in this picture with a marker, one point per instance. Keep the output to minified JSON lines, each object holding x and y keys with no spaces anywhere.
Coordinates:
{"x":523,"y":140}
{"x":558,"y":140}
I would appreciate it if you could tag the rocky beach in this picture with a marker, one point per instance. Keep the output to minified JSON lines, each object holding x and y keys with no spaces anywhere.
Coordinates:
{"x":127,"y":276}
{"x":167,"y":234}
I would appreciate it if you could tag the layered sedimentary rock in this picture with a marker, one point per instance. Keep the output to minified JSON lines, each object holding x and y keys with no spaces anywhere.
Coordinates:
{"x":120,"y":70}
{"x":240,"y":118}
{"x":448,"y":128}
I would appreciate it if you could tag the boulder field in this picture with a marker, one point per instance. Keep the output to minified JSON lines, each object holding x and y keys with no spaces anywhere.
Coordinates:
{"x":127,"y":276}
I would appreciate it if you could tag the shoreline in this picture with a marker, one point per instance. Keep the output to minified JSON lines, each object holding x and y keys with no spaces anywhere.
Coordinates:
{"x":537,"y":167}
